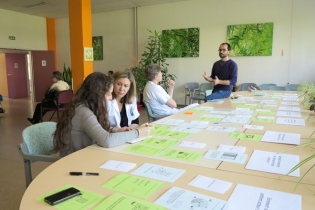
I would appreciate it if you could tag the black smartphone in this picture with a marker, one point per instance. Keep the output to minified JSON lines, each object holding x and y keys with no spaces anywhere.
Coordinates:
{"x":62,"y":196}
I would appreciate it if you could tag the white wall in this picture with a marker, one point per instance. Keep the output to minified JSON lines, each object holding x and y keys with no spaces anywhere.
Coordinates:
{"x":293,"y":35}
{"x":29,"y":31}
{"x":117,"y":29}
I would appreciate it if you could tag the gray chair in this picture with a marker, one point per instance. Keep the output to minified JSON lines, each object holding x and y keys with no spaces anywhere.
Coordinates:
{"x":152,"y":117}
{"x":189,"y":88}
{"x":245,"y":86}
{"x":277,"y":88}
{"x":200,"y":93}
{"x":37,"y":145}
{"x":291,"y":87}
{"x":266,"y":86}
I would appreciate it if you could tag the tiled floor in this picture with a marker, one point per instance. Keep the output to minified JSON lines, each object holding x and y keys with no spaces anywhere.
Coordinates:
{"x":12,"y":123}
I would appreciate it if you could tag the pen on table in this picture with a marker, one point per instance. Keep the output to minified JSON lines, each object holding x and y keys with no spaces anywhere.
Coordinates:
{"x":83,"y":174}
{"x":221,"y":122}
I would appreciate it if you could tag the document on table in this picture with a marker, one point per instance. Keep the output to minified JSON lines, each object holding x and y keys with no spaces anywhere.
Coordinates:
{"x":230,"y":148}
{"x":170,"y":122}
{"x":118,"y":165}
{"x":290,"y":98}
{"x":144,"y":149}
{"x":281,"y":137}
{"x":269,"y":101}
{"x":158,"y":172}
{"x":186,"y":128}
{"x":159,"y":142}
{"x":265,"y":111}
{"x":221,"y":128}
{"x":211,"y":117}
{"x":277,"y":163}
{"x":226,"y":156}
{"x":288,"y":114}
{"x":203,"y":109}
{"x":192,"y":144}
{"x":198,"y":124}
{"x":290,"y":108}
{"x":219,"y":112}
{"x":172,"y":134}
{"x":290,"y":121}
{"x":178,"y":198}
{"x":182,"y":155}
{"x":264,"y":119}
{"x":237,"y":119}
{"x":240,"y":111}
{"x":118,"y":201}
{"x":290,"y":103}
{"x":253,"y":198}
{"x":211,"y":184}
{"x":84,"y":201}
{"x":254,"y":127}
{"x":245,"y":136}
{"x":133,"y":185}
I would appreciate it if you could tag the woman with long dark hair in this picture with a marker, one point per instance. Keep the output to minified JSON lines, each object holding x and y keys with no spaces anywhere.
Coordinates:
{"x":85,"y":121}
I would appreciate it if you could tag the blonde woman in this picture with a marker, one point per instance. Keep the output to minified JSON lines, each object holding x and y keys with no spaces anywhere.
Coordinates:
{"x":122,"y":109}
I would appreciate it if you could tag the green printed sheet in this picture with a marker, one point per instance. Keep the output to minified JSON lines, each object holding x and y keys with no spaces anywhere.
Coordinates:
{"x":269,"y":106}
{"x":159,"y":142}
{"x":144,"y":149}
{"x":245,"y":136}
{"x":212,"y":119}
{"x":158,"y":128}
{"x":172,"y":134}
{"x":236,"y":101}
{"x":247,"y":106}
{"x":133,"y":185}
{"x":265,"y":112}
{"x":182,"y":155}
{"x":84,"y":201}
{"x":256,"y":119}
{"x":118,"y":201}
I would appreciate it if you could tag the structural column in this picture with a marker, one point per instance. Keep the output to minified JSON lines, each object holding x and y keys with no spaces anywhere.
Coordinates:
{"x":80,"y":24}
{"x":51,"y":37}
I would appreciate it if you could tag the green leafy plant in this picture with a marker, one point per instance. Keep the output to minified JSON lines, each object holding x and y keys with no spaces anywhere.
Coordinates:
{"x":307,"y":92}
{"x":67,"y":75}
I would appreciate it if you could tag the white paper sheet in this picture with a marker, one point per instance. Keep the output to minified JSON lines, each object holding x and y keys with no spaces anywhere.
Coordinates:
{"x":181,"y":199}
{"x":236,"y":119}
{"x":204,"y":108}
{"x":158,"y":172}
{"x":210,"y":184}
{"x":215,"y":101}
{"x":221,"y":128}
{"x":192,"y":144}
{"x":254,"y":127}
{"x":290,"y":108}
{"x":185,"y":128}
{"x":219,"y":112}
{"x":290,"y":121}
{"x":241,"y":111}
{"x":226,"y":156}
{"x":281,"y":137}
{"x":288,"y":114}
{"x":230,"y":148}
{"x":277,"y":163}
{"x":118,"y":165}
{"x":198,"y":124}
{"x":253,"y":198}
{"x":189,"y":107}
{"x":170,"y":122}
{"x":290,"y":103}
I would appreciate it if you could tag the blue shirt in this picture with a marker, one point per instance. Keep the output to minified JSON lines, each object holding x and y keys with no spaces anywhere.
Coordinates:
{"x":225,"y":70}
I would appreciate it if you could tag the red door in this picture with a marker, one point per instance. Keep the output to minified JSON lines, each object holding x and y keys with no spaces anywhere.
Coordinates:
{"x":43,"y":63}
{"x":16,"y":75}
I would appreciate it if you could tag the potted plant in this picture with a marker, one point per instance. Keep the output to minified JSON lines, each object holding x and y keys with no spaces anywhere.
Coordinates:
{"x":307,"y":91}
{"x":67,"y":75}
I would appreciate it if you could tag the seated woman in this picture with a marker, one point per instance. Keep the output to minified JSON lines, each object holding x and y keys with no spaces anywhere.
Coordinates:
{"x":58,"y":85}
{"x":122,"y":110}
{"x":85,"y":120}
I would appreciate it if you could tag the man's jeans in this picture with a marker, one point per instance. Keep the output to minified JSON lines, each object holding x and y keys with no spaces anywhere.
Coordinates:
{"x":219,"y":94}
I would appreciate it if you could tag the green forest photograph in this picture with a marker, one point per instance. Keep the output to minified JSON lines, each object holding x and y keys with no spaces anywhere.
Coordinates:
{"x":250,"y":39}
{"x":97,"y":43}
{"x":178,"y":43}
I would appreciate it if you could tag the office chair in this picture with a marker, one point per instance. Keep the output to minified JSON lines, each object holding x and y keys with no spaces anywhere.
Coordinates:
{"x":152,"y":117}
{"x":276,"y":88}
{"x":37,"y":145}
{"x":189,"y":87}
{"x":245,"y":86}
{"x":291,"y":87}
{"x":200,"y":93}
{"x":266,"y":86}
{"x":63,"y":97}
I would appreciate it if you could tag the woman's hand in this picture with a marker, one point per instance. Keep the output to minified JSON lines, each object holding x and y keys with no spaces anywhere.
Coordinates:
{"x":144,"y":130}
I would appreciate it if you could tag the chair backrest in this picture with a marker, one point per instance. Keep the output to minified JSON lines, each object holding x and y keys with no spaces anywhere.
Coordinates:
{"x":191,"y":86}
{"x":266,"y":86}
{"x":39,"y":138}
{"x":291,"y":87}
{"x":245,"y":86}
{"x":206,"y":86}
{"x":64,"y":96}
{"x":276,"y":88}
{"x":149,"y":111}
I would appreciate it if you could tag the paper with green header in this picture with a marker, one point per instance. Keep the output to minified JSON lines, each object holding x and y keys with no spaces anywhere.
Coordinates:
{"x":133,"y":185}
{"x":182,"y":155}
{"x":122,"y":202}
{"x":85,"y":201}
{"x":144,"y":149}
{"x":160,"y":142}
{"x":245,"y":136}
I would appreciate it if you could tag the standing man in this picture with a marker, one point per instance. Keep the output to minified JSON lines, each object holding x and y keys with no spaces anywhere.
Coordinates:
{"x":223,"y":75}
{"x":161,"y":102}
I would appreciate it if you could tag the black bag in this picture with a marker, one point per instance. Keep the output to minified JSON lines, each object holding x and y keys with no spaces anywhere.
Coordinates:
{"x":51,"y":94}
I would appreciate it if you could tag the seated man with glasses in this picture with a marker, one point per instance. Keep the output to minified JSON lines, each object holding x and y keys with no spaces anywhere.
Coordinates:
{"x":223,"y":75}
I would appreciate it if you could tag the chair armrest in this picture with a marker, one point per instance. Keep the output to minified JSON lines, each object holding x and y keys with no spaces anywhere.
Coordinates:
{"x":198,"y":89}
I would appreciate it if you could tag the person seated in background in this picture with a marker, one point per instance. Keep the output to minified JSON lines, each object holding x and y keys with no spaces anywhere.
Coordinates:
{"x":51,"y":93}
{"x":2,"y":110}
{"x":161,"y":102}
{"x":122,"y":109}
{"x":110,"y":73}
{"x":85,"y":120}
